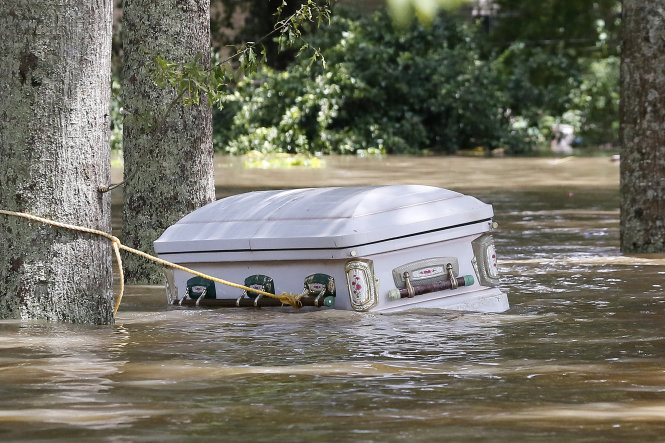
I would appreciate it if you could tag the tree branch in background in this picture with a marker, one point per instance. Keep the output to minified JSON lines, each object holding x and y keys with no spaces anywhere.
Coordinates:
{"x":193,"y":80}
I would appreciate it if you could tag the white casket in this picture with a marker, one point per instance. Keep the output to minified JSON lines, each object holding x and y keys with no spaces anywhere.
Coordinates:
{"x":379,"y":249}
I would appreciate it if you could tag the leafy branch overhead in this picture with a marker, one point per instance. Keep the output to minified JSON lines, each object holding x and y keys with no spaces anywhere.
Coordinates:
{"x":193,"y":80}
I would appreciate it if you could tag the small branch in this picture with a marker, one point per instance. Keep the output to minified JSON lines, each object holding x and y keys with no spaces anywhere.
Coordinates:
{"x":105,"y":189}
{"x":284,"y":25}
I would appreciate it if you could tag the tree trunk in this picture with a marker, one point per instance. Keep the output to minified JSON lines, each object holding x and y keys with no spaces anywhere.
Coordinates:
{"x":168,"y":158}
{"x":642,"y":131}
{"x":55,"y":61}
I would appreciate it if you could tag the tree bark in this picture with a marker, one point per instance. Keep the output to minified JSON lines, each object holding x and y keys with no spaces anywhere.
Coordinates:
{"x":642,"y":130}
{"x":55,"y":60}
{"x":168,"y":170}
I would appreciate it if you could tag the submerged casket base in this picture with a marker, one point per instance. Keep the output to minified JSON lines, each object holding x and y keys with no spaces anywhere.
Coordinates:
{"x":371,"y":252}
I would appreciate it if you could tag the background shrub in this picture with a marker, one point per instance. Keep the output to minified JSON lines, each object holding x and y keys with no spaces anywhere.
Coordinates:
{"x":382,"y":89}
{"x":503,"y":81}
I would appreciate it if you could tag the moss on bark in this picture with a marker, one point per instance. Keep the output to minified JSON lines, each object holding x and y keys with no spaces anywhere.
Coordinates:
{"x":54,"y":146}
{"x":642,"y":131}
{"x":168,"y":170}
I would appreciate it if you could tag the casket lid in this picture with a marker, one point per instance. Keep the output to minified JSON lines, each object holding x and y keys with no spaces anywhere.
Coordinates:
{"x":320,"y":218}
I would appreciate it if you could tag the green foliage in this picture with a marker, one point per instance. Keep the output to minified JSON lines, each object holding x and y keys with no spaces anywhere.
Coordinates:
{"x":386,"y":89}
{"x":378,"y":86}
{"x":234,"y":21}
{"x":571,"y":28}
{"x":560,"y":63}
{"x":193,"y":80}
{"x":537,"y":81}
{"x":597,"y":102}
{"x":586,"y":98}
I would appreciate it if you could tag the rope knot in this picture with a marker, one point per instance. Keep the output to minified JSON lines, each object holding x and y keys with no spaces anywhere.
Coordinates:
{"x":291,"y":299}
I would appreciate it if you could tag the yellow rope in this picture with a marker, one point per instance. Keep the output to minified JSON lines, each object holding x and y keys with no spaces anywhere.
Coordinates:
{"x":284,"y":297}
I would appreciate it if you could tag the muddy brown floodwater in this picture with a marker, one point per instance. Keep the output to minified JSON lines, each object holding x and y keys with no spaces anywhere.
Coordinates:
{"x":579,"y":356}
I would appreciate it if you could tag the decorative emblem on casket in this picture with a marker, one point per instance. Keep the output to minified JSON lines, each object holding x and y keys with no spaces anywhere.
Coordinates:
{"x":362,"y":287}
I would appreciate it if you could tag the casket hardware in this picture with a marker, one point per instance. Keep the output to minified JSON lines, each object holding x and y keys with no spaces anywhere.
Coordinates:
{"x":451,"y":276}
{"x":320,"y":286}
{"x":409,"y":287}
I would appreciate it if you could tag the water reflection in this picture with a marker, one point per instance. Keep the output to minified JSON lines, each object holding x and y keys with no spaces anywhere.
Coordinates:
{"x":580,"y":355}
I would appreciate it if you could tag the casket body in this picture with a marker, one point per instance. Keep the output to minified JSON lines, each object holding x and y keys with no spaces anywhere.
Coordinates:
{"x":380,"y":249}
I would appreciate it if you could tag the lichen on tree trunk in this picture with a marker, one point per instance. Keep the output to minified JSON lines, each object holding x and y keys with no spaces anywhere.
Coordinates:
{"x":54,"y":155}
{"x":642,"y":131}
{"x":168,"y":158}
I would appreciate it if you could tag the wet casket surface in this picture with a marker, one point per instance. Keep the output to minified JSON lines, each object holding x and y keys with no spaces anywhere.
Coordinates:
{"x":379,"y":249}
